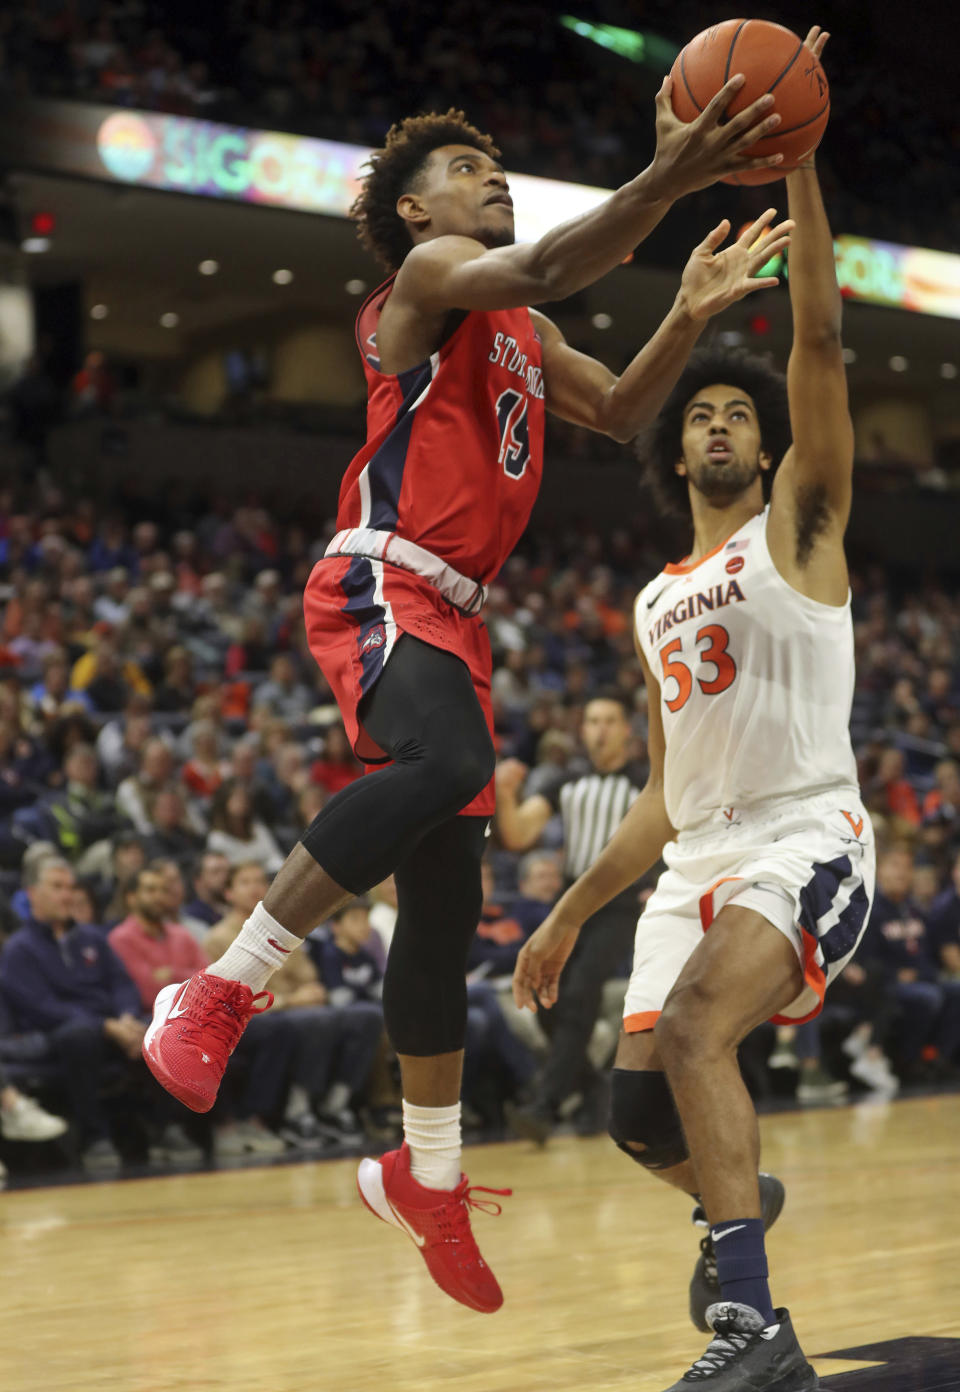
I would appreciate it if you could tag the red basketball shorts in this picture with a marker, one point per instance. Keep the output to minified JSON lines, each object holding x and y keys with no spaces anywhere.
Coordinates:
{"x":355,"y":609}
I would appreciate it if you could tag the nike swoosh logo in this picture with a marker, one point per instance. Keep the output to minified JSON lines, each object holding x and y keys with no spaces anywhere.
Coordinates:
{"x":175,"y":1012}
{"x":652,"y":602}
{"x":418,"y":1238}
{"x":719,"y":1236}
{"x":273,"y":943}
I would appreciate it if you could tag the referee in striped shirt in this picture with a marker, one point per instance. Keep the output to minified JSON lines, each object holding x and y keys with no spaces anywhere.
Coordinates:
{"x":591,"y":806}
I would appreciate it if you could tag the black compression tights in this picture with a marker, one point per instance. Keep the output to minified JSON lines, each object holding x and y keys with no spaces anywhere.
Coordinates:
{"x":424,"y":712}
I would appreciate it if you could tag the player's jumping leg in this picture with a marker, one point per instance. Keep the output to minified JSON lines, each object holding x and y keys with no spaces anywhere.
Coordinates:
{"x":642,"y":1105}
{"x":743,"y":972}
{"x":420,"y":1187}
{"x":424,"y":712}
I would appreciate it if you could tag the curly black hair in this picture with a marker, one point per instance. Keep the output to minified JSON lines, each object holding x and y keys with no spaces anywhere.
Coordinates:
{"x":660,"y":447}
{"x":395,"y":169}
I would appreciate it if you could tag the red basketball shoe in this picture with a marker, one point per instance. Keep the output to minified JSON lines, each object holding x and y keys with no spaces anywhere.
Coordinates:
{"x":195,"y":1028}
{"x":438,"y":1221}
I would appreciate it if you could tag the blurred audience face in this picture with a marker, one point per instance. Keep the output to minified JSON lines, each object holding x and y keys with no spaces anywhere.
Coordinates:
{"x":352,"y":928}
{"x":488,"y":883}
{"x":212,"y":878}
{"x":128,"y":859}
{"x":895,"y":873}
{"x":311,"y":803}
{"x":542,"y":879}
{"x":282,"y":671}
{"x":890,"y":767}
{"x":948,"y":781}
{"x":605,"y":732}
{"x":51,"y":898}
{"x":83,"y":909}
{"x":156,"y":764}
{"x":80,"y":766}
{"x":148,"y":898}
{"x":243,"y":763}
{"x":247,"y":889}
{"x":168,"y":810}
{"x":926,"y":883}
{"x":174,"y":889}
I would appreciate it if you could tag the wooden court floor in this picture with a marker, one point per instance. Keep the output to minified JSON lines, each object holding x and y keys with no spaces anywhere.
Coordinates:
{"x":275,"y":1279}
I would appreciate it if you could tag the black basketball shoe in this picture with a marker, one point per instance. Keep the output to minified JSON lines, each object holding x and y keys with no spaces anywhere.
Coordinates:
{"x":704,"y":1286}
{"x":745,"y":1355}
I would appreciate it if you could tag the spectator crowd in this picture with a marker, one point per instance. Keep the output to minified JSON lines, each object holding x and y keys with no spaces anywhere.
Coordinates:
{"x":165,"y":738}
{"x":558,"y":104}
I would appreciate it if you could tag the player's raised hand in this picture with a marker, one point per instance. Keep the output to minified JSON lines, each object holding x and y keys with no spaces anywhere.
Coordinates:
{"x":691,"y":155}
{"x":542,"y":958}
{"x":713,"y":279}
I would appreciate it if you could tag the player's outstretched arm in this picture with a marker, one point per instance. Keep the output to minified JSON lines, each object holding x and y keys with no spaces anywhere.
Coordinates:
{"x":813,"y":487}
{"x":634,"y":847}
{"x":460,"y":273}
{"x":582,"y":390}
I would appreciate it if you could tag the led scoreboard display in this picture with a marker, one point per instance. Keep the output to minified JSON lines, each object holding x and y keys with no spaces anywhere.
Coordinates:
{"x":271,"y":168}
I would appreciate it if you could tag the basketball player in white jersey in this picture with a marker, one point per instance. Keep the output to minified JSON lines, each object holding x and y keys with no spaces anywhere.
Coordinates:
{"x":752,"y":800}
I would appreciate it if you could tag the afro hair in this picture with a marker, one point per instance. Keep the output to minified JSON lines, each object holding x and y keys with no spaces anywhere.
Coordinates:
{"x":395,"y":169}
{"x":660,"y":447}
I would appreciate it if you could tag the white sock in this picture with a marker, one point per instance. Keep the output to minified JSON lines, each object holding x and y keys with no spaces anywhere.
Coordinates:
{"x":433,"y":1135}
{"x":255,"y":953}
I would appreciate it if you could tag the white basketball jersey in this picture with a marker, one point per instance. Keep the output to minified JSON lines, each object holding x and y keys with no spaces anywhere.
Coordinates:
{"x":756,"y":681}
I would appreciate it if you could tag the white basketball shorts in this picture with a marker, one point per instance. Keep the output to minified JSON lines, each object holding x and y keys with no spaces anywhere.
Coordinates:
{"x":806,"y":864}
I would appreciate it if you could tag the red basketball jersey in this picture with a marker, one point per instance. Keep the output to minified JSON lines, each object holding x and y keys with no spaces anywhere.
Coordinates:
{"x":454,"y":450}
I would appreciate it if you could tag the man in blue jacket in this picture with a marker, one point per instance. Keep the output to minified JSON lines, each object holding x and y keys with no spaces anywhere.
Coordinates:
{"x":64,"y":980}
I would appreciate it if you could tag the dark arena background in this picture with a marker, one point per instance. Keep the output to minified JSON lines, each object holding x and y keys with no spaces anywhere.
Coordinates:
{"x":180,"y":393}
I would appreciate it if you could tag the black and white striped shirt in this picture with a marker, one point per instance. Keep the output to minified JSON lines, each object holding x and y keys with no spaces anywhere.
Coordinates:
{"x":592,"y":805}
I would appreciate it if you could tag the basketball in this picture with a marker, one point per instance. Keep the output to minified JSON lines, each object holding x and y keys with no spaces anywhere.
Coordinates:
{"x":772,"y":59}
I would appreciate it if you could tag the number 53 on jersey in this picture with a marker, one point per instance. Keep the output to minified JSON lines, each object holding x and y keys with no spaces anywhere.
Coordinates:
{"x":704,"y":660}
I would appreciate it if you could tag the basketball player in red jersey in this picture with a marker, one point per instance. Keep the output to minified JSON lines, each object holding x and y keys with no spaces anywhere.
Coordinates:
{"x":459,"y":373}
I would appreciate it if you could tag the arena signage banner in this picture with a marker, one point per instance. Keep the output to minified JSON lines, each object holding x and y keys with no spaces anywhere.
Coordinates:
{"x":179,"y":154}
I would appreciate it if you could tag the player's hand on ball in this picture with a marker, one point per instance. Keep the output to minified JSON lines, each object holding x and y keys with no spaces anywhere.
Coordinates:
{"x":542,"y":958}
{"x":713,"y":279}
{"x":816,"y":41}
{"x":691,"y":155}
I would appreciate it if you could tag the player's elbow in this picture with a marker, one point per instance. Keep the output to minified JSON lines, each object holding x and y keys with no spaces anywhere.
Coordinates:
{"x":617,"y":420}
{"x":822,"y":336}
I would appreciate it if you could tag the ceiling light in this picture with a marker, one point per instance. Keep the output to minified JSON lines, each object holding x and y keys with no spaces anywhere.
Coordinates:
{"x":282,"y":277}
{"x":170,"y":320}
{"x":601,"y":321}
{"x":99,"y":311}
{"x":898,"y":363}
{"x":849,"y":355}
{"x":355,"y":287}
{"x":948,"y":370}
{"x":208,"y":267}
{"x":731,"y":338}
{"x":35,"y":245}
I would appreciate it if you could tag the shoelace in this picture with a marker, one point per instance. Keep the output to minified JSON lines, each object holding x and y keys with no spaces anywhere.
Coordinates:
{"x":721,"y":1350}
{"x":709,"y":1258}
{"x":457,"y":1217}
{"x":219,"y":1022}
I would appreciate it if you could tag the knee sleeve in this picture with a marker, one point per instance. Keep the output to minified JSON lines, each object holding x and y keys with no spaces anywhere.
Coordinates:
{"x":439,"y":898}
{"x":643,"y":1112}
